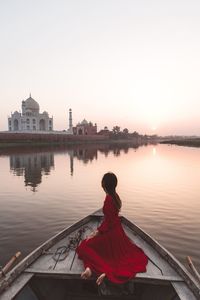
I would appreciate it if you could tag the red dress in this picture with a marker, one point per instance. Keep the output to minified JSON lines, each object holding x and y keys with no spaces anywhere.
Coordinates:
{"x":111,"y":252}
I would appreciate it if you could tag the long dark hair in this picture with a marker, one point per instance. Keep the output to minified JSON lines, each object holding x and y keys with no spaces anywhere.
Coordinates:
{"x":109,"y":183}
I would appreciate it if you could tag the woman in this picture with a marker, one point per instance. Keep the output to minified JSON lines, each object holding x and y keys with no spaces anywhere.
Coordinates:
{"x":108,"y":252}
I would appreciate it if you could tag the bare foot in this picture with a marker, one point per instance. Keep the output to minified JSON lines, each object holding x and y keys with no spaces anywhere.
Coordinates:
{"x":86,"y":274}
{"x":100,"y":279}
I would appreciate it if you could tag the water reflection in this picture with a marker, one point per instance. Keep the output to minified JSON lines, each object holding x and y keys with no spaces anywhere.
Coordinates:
{"x":32,"y":167}
{"x":87,"y":153}
{"x":117,"y":148}
{"x":33,"y":163}
{"x":154,"y":151}
{"x":159,"y":186}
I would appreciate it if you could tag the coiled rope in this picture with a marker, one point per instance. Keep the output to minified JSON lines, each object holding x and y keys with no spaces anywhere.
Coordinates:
{"x":62,"y":251}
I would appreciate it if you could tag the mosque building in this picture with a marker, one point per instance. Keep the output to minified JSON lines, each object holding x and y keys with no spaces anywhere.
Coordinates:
{"x":30,"y":119}
{"x":85,"y":128}
{"x":82,"y":128}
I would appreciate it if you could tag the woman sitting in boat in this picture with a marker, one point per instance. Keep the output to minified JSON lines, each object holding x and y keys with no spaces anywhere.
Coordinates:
{"x":108,"y":252}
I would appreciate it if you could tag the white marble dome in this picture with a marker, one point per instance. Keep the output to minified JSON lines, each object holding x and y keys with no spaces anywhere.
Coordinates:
{"x":31,"y":104}
{"x":30,"y":119}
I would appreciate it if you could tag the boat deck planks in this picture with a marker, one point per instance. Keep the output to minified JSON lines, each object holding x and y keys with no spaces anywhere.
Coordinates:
{"x":46,"y":262}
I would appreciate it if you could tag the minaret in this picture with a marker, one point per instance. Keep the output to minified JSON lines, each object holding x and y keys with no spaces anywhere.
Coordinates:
{"x":23,"y":107}
{"x":70,"y":121}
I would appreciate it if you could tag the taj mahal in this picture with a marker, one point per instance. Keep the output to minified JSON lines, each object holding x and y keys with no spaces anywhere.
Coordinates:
{"x":30,"y":119}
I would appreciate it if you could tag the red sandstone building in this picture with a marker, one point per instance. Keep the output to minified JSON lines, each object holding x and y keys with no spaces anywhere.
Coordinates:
{"x":85,"y":128}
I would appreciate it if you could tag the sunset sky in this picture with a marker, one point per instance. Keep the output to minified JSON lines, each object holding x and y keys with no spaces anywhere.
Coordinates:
{"x":130,"y":63}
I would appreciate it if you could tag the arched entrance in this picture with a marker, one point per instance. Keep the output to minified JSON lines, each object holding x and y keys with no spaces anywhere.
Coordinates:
{"x":42,"y":124}
{"x":80,"y":131}
{"x":16,"y":125}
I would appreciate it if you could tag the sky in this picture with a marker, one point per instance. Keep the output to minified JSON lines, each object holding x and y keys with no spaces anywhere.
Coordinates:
{"x":135,"y":64}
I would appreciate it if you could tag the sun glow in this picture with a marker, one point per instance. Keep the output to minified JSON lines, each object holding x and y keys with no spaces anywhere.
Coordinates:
{"x":153,"y":127}
{"x":154,"y":151}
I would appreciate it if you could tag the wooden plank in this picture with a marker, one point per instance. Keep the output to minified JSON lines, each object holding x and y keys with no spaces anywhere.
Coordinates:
{"x":47,"y":262}
{"x":169,"y":278}
{"x":17,"y":270}
{"x":76,"y":275}
{"x":70,"y":265}
{"x":69,"y":274}
{"x":16,"y":287}
{"x":183,"y":291}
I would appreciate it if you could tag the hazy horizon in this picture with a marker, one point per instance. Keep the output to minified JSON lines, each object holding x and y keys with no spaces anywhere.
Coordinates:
{"x":134,"y":64}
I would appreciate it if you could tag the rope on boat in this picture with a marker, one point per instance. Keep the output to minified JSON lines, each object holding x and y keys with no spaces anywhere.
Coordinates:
{"x":62,"y":252}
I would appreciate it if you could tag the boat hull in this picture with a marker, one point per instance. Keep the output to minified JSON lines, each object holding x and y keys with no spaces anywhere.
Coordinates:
{"x":49,"y":274}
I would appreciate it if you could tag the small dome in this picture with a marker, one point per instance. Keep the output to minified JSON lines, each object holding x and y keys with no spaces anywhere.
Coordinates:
{"x":31,"y":104}
{"x":16,"y":113}
{"x":84,"y":122}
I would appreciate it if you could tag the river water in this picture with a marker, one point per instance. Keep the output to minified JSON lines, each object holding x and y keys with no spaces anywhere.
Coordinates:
{"x":43,"y":190}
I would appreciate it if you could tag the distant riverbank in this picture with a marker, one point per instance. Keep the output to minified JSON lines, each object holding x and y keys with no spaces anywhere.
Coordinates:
{"x":188,"y":142}
{"x":8,"y":139}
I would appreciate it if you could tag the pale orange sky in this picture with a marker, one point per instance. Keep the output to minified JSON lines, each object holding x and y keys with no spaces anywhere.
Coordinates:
{"x":129,"y":63}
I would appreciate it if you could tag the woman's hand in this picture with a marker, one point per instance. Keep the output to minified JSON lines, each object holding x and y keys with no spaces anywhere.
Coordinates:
{"x":93,"y":234}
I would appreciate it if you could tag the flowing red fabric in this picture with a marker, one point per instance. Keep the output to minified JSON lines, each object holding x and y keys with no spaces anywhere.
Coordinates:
{"x":112,"y":252}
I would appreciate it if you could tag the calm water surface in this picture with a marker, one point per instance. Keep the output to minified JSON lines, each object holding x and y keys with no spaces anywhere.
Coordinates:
{"x":44,"y":190}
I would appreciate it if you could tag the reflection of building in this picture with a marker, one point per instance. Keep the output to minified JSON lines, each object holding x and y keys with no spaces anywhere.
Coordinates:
{"x":32,"y":167}
{"x":30,"y":118}
{"x":84,"y":154}
{"x":71,"y":157}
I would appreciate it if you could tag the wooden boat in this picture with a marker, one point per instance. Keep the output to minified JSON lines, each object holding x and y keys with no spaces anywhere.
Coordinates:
{"x":52,"y":271}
